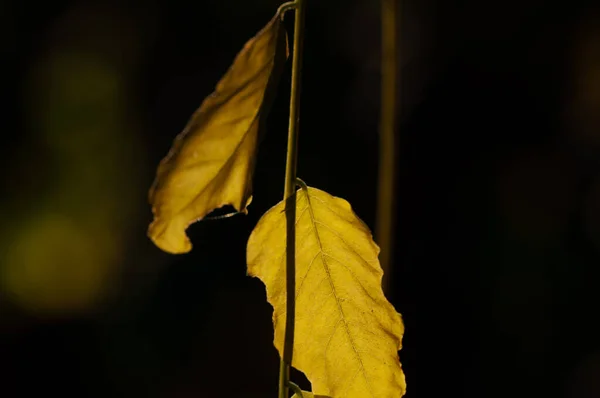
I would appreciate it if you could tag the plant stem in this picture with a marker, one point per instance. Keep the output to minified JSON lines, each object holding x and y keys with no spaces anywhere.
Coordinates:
{"x":387,"y":140}
{"x":290,"y":201}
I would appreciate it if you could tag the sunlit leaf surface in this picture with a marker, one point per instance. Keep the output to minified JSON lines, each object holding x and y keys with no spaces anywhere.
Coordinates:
{"x":347,"y":335}
{"x":211,"y":162}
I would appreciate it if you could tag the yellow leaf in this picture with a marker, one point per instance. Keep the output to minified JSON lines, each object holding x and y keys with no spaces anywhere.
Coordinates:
{"x":211,"y":162}
{"x":347,"y":335}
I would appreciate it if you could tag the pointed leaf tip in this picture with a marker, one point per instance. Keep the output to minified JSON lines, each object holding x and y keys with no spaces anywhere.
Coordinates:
{"x":211,"y":162}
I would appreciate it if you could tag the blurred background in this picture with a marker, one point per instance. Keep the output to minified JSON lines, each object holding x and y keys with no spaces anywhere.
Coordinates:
{"x":498,"y":207}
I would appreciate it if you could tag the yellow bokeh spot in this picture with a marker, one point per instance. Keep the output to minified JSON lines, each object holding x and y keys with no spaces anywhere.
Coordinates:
{"x":53,"y":265}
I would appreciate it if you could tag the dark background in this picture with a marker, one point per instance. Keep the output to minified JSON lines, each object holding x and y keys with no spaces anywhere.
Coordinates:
{"x":498,"y":203}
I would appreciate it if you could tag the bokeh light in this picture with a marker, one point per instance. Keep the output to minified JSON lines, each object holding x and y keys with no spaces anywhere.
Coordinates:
{"x":65,"y":244}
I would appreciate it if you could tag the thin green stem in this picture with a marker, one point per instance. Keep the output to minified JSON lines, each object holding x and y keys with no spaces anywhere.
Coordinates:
{"x":285,"y":7}
{"x":387,"y":136}
{"x":296,"y":390}
{"x":290,"y":200}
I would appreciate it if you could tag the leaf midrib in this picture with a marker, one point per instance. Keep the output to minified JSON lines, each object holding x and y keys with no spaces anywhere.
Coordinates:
{"x":330,"y":279}
{"x":229,"y":159}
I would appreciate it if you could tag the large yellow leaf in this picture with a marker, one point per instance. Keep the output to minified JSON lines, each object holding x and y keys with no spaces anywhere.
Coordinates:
{"x":347,"y":335}
{"x":211,"y":162}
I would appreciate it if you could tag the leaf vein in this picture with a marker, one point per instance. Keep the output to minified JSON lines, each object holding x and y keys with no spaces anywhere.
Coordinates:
{"x":345,"y":243}
{"x":341,"y":310}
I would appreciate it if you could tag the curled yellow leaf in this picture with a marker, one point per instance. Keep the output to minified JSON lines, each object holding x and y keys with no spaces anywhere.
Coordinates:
{"x":347,"y":335}
{"x":211,"y":162}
